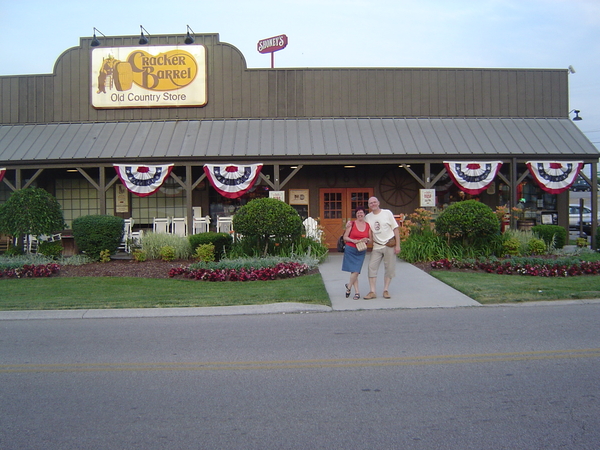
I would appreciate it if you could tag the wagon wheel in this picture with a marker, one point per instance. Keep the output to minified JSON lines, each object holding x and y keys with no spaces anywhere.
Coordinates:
{"x":397,"y":190}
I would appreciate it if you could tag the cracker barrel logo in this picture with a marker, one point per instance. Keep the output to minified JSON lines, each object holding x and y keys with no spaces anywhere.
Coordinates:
{"x":136,"y":77}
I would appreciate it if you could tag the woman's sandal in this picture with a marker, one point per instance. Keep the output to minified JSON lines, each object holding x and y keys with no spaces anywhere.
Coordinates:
{"x":356,"y":296}
{"x":347,"y":290}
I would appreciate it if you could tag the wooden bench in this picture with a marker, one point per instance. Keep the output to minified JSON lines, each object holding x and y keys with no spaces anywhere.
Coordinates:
{"x":4,"y":243}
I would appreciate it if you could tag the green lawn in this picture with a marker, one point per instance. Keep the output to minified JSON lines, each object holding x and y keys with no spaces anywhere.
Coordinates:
{"x":489,"y":288}
{"x":114,"y":292}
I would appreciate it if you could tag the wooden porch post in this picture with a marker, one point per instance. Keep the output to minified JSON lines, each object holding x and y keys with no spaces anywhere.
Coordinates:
{"x":594,"y":205}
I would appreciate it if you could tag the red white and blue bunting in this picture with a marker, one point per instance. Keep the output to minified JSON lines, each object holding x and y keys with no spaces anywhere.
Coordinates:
{"x":232,"y":181}
{"x":143,"y":180}
{"x":2,"y":172}
{"x":554,"y":177}
{"x":472,"y":177}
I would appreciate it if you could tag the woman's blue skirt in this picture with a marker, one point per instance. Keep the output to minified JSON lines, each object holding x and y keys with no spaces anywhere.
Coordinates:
{"x":353,"y":259}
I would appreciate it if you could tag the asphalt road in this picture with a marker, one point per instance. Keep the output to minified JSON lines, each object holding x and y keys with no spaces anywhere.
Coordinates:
{"x":523,"y":377}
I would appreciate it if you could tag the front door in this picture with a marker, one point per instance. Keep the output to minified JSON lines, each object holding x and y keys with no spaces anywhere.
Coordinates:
{"x":336,"y":207}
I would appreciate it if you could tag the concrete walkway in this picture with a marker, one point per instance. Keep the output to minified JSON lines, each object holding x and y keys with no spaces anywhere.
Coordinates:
{"x":411,"y":288}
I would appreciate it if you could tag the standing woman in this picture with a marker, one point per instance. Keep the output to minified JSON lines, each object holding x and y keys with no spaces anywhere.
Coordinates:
{"x":357,"y":232}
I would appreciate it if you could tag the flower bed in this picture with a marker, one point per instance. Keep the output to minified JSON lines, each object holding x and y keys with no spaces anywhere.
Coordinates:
{"x":281,"y":270}
{"x":30,"y":271}
{"x":551,"y":268}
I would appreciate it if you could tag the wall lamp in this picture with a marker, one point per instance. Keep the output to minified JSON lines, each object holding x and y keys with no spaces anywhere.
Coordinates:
{"x":95,"y":41}
{"x":189,"y":39}
{"x":576,"y":118}
{"x":143,"y":39}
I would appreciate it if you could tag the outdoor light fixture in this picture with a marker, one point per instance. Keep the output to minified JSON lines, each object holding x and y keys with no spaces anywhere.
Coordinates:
{"x":189,"y":39}
{"x":576,"y":118}
{"x":143,"y":39}
{"x":95,"y":40}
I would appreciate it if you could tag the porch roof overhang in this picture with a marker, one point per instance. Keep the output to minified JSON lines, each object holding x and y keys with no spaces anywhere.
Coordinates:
{"x":359,"y":140}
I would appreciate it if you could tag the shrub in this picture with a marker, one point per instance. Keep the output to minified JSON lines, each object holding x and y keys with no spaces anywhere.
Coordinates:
{"x":50,"y":249}
{"x":551,"y":234}
{"x":205,"y":253}
{"x":96,"y":233}
{"x":467,"y":220}
{"x":419,"y":221}
{"x":221,"y":241}
{"x":13,"y":251}
{"x":167,"y":253}
{"x":512,"y":247}
{"x":152,"y":243}
{"x":105,"y":256}
{"x":536,"y":247}
{"x":139,"y":255}
{"x":270,"y":224}
{"x":528,"y":241}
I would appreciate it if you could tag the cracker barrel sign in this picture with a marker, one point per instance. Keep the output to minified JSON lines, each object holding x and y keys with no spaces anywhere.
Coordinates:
{"x":271,"y":45}
{"x":149,"y":76}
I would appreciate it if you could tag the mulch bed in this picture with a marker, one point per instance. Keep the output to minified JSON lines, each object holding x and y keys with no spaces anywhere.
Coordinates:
{"x":155,"y":268}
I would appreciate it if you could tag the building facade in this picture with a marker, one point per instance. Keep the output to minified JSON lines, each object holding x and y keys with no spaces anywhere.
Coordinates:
{"x":327,"y":138}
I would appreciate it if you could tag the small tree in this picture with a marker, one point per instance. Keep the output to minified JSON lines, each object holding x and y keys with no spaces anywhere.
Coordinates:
{"x":268,"y":221}
{"x":31,"y":211}
{"x":469,"y":220}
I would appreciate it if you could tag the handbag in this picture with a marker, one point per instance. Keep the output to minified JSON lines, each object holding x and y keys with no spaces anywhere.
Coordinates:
{"x":361,"y":246}
{"x":391,"y":242}
{"x":341,"y":245}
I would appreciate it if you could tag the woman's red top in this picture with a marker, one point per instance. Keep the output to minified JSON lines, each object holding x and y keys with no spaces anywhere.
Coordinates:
{"x":355,"y":233}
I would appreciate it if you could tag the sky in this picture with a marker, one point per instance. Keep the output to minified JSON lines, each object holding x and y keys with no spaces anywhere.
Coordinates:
{"x":553,"y":34}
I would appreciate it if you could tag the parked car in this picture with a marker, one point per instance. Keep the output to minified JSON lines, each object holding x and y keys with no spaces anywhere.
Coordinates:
{"x":574,"y":210}
{"x":580,"y":186}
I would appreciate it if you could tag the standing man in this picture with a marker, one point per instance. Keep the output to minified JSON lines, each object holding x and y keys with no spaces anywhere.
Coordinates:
{"x":386,"y":246}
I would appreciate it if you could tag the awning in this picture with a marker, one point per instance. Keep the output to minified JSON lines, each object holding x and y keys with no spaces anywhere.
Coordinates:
{"x":293,"y":139}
